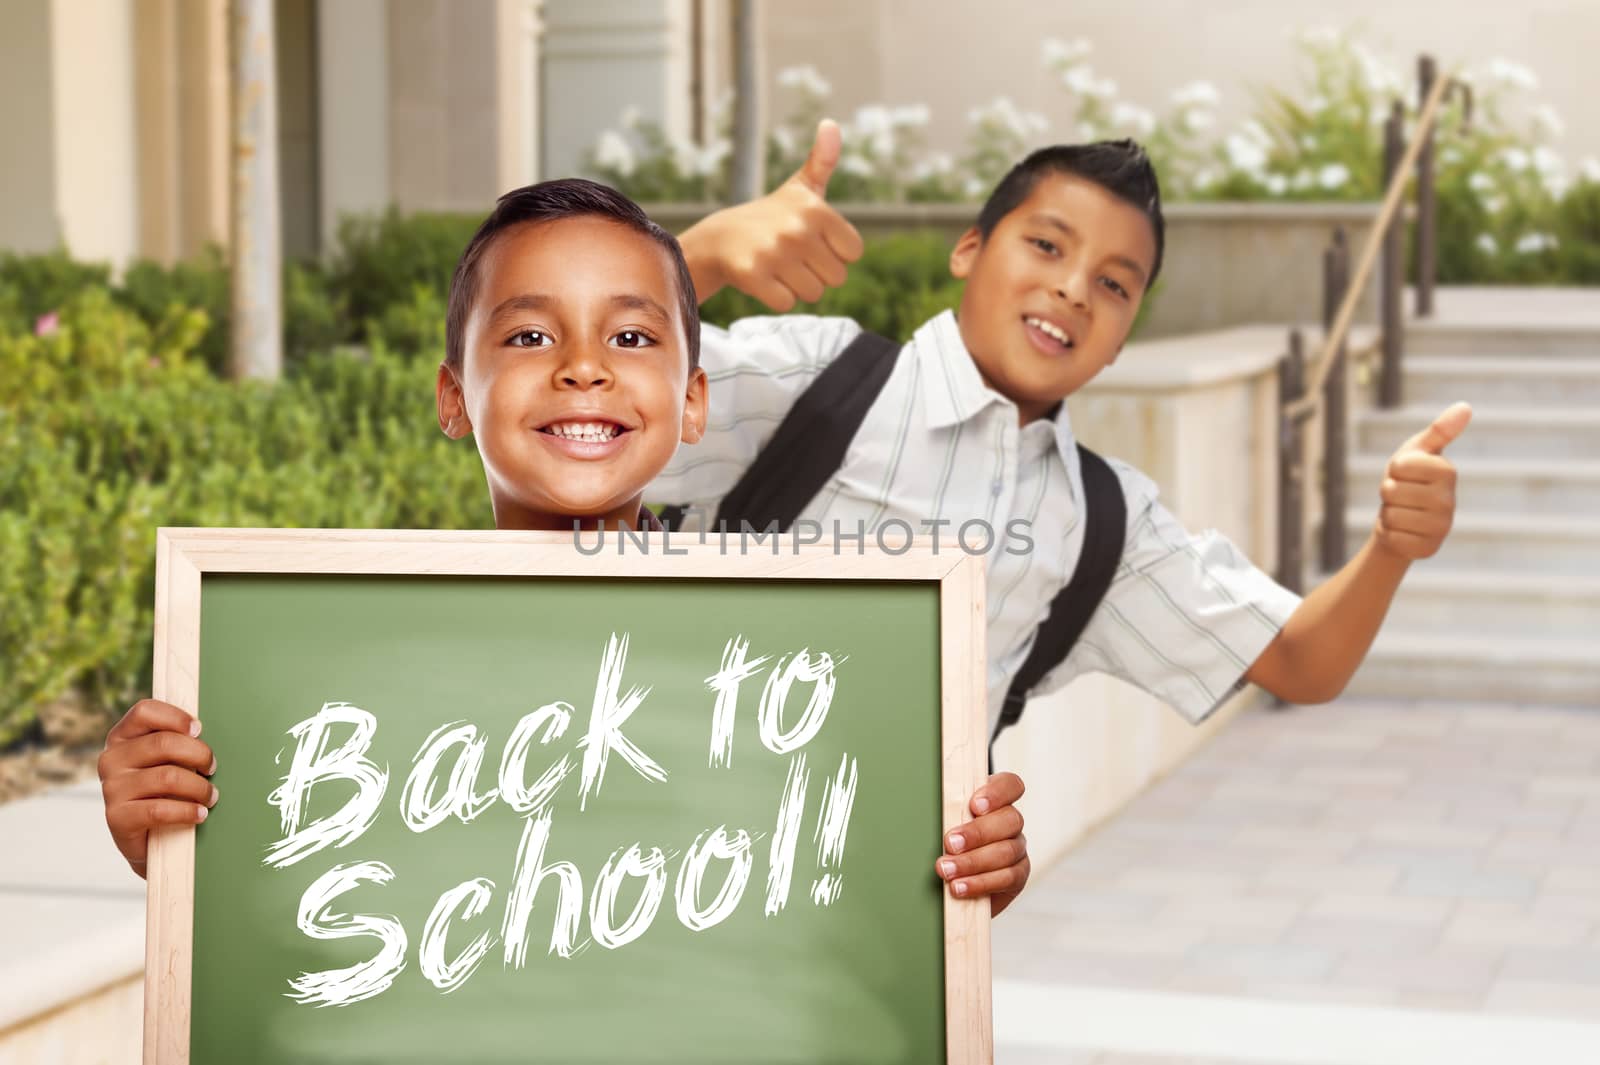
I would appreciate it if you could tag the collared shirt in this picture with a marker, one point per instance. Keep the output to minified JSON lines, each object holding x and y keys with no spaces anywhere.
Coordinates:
{"x":1185,"y":616}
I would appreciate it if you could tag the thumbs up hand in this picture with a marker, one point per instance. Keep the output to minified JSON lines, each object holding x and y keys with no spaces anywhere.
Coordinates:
{"x":789,"y":246}
{"x":1419,"y":489}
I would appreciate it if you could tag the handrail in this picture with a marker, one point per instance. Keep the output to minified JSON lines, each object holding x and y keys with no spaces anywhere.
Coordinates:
{"x":1309,"y":400}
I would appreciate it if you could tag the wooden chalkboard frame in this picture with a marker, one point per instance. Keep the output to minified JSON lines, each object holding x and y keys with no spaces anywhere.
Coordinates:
{"x":184,"y":555}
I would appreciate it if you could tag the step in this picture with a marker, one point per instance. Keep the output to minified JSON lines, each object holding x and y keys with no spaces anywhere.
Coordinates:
{"x":1501,"y":485}
{"x":1427,"y":338}
{"x":1522,"y":381}
{"x":1556,"y":545}
{"x":1497,"y":430}
{"x":1505,"y":605}
{"x":1409,"y":665}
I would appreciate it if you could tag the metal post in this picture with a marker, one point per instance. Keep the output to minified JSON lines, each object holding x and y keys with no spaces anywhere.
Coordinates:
{"x":1336,"y":278}
{"x":748,"y":176}
{"x":1427,"y":200}
{"x":1392,"y":273}
{"x":1291,"y":469}
{"x":256,"y":236}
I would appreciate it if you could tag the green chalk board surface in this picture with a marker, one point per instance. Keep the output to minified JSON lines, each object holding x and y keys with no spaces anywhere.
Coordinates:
{"x":858,"y":979}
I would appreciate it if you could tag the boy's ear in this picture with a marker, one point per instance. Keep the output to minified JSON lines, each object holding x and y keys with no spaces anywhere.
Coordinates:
{"x":452,"y":405}
{"x":965,"y":251}
{"x":694,"y":408}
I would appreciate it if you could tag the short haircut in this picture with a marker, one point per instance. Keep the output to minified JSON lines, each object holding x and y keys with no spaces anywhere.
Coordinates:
{"x":549,"y":201}
{"x":1120,"y":167}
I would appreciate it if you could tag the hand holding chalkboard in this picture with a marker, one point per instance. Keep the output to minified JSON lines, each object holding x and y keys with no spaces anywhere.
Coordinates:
{"x":989,"y":855}
{"x":153,"y":772}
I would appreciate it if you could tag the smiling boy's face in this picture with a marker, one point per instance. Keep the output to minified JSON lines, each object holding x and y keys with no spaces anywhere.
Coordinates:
{"x":575,"y":380}
{"x":1053,"y":291}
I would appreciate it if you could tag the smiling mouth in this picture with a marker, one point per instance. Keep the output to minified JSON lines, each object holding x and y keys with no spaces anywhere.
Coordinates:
{"x":1050,"y":330}
{"x":587,"y":432}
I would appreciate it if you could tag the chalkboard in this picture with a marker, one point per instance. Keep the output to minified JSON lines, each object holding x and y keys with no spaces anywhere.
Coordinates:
{"x":487,"y":798}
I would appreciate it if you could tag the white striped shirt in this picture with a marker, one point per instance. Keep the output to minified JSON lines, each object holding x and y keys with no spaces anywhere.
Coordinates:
{"x":1185,"y":615}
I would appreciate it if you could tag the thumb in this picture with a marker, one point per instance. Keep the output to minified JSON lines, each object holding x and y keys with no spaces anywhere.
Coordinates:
{"x":824,"y":157}
{"x":1445,"y":428}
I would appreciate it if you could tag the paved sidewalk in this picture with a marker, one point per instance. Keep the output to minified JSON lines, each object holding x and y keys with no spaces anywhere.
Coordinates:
{"x":1355,"y":883}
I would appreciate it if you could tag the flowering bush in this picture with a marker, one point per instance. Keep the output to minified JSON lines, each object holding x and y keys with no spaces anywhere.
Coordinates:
{"x":1503,"y":188}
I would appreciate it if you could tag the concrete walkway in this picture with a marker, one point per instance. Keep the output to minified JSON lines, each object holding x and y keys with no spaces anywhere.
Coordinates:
{"x":1351,"y":884}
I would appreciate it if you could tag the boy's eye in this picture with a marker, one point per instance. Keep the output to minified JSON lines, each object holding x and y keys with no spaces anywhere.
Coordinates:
{"x":529,"y":338}
{"x":633,"y":338}
{"x":1044,"y":245}
{"x":1114,"y":286}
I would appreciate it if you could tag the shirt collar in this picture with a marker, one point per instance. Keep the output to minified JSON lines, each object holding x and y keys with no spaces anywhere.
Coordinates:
{"x":952,"y":389}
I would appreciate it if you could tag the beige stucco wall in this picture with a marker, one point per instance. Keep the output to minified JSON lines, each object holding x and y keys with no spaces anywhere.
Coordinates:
{"x":28,"y":220}
{"x":950,"y":54}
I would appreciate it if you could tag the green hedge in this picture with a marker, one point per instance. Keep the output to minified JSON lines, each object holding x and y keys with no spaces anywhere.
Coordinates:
{"x":109,"y":428}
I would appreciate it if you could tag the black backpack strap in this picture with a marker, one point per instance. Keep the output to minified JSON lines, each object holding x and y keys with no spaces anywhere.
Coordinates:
{"x":810,"y":443}
{"x":1104,"y":532}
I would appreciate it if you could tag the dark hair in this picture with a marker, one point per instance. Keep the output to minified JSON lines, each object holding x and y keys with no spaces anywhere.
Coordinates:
{"x":546,"y":202}
{"x":1120,"y":167}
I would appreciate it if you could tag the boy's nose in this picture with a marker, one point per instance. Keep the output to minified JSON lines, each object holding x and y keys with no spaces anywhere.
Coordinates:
{"x":1075,"y":290}
{"x":584,"y":368}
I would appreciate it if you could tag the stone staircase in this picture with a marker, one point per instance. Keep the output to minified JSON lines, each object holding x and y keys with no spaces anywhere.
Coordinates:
{"x":1510,"y":608}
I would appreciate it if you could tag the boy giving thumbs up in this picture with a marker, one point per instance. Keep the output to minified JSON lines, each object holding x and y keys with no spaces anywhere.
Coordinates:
{"x":967,"y":428}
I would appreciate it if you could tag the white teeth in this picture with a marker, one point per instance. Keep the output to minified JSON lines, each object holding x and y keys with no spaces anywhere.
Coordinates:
{"x":1050,"y":330}
{"x":586,"y":431}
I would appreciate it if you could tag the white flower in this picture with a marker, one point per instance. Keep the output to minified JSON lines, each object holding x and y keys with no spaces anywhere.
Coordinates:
{"x":1480,"y":182}
{"x":851,"y":163}
{"x":1548,"y":121}
{"x":1303,"y":179}
{"x":1005,"y":115}
{"x":1333,"y":176}
{"x":1513,"y":75}
{"x":1547,"y":162}
{"x":1081,"y":80}
{"x":787,"y":141}
{"x":972,"y":188}
{"x":630,"y":117}
{"x":937,"y":164}
{"x":1197,"y":120}
{"x":1244,"y":154}
{"x":875,"y":125}
{"x":1057,"y":52}
{"x":1276,"y":184}
{"x":1516,"y":160}
{"x":805,"y":79}
{"x":1487,"y":244}
{"x":1130,"y":117}
{"x":1533,"y":243}
{"x":611,"y":152}
{"x":1450,"y":156}
{"x":1205,"y":179}
{"x":1375,"y":74}
{"x":1493,"y":204}
{"x":1589,"y":169}
{"x":910,"y":115}
{"x":1316,"y":104}
{"x":685,"y":156}
{"x":1257,"y":133}
{"x":1197,"y":94}
{"x":1088,"y":131}
{"x":711,"y":157}
{"x":1308,"y":142}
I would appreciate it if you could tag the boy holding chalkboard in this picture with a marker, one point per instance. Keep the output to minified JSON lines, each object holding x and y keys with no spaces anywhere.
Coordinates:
{"x":965,"y":426}
{"x":573,"y":359}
